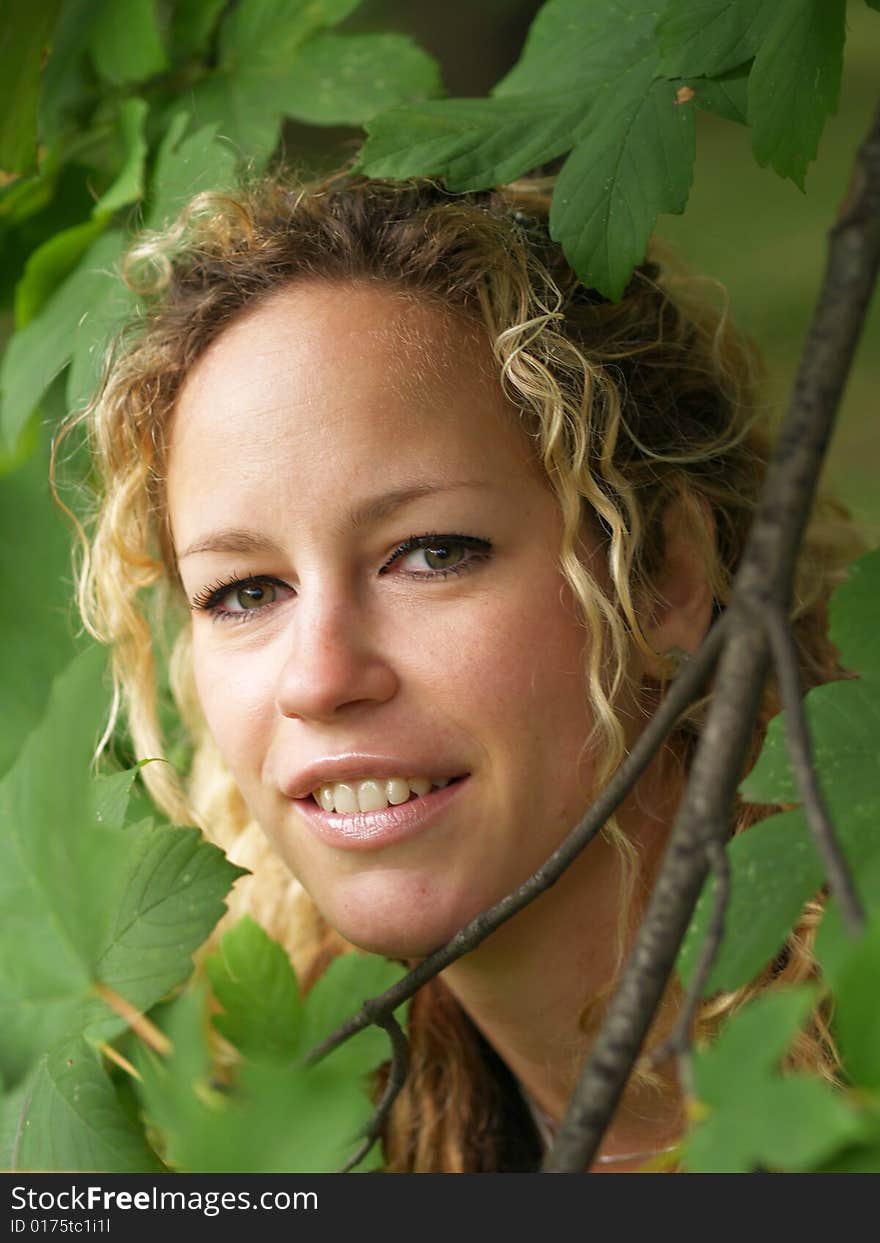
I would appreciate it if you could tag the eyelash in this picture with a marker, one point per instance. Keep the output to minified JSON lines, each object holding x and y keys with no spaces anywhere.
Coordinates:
{"x":208,"y":600}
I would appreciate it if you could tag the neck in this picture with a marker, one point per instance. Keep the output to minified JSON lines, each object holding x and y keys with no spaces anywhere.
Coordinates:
{"x":539,"y":986}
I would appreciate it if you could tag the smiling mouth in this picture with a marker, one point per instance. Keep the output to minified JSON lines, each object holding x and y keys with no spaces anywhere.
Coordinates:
{"x":390,"y":825}
{"x":376,"y":794}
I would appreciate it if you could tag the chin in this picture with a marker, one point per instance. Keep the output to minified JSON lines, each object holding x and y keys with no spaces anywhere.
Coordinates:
{"x":397,"y":925}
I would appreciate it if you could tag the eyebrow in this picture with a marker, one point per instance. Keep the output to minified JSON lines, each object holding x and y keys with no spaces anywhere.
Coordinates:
{"x":240,"y":539}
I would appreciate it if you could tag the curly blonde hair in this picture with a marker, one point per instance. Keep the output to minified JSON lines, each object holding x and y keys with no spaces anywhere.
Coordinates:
{"x":632,"y":407}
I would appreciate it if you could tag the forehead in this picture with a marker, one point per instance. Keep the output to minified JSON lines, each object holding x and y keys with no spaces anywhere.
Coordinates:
{"x":326,"y":385}
{"x":312,"y":335}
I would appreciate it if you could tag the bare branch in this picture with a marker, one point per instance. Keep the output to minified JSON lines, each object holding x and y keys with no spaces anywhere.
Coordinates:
{"x":396,"y":1078}
{"x":818,"y":817}
{"x":765,"y":579}
{"x":151,"y":1035}
{"x":677,"y":1043}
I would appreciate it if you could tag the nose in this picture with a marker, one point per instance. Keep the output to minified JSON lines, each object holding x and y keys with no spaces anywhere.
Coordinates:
{"x":335,"y":660}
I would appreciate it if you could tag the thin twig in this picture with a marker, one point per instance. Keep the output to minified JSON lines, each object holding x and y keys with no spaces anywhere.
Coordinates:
{"x":396,"y":1080}
{"x":837,"y":870}
{"x":678,"y":1042}
{"x":113,"y":1055}
{"x":683,"y":690}
{"x":138,"y":1022}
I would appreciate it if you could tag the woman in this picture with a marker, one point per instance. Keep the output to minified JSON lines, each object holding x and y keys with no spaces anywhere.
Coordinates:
{"x":443,"y":521}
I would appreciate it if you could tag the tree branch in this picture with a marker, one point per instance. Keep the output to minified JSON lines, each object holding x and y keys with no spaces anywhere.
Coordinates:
{"x":677,"y":1043}
{"x":764,"y":580}
{"x":396,"y":1078}
{"x":791,"y":693}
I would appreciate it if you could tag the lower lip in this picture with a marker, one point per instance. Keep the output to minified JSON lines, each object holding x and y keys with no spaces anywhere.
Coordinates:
{"x":372,"y":830}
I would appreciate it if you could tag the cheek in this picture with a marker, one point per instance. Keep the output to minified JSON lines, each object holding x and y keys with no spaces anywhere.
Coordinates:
{"x":232,"y":692}
{"x":519,"y":662}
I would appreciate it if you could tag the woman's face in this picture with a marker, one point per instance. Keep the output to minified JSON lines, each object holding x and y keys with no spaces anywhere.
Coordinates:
{"x":371,"y":555}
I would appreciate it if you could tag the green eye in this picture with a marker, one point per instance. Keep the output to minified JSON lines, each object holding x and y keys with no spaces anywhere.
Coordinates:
{"x":253,"y":596}
{"x":443,"y":556}
{"x":437,"y":556}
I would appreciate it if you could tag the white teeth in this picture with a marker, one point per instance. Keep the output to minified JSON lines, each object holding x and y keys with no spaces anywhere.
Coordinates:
{"x":373,"y":794}
{"x":397,"y":789}
{"x":345,"y":797}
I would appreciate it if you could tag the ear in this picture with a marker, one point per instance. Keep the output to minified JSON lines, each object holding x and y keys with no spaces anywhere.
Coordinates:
{"x":682,"y":599}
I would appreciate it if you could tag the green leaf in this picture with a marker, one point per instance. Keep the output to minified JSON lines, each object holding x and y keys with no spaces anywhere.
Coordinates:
{"x":295,"y":1119}
{"x":110,"y":796}
{"x":754,"y":1038}
{"x":775,"y":867}
{"x":50,"y":264}
{"x":852,"y":968}
{"x":27,"y":29}
{"x":577,"y":46}
{"x":795,"y":82}
{"x":242,"y":109}
{"x":128,"y":186}
{"x":13,"y":1113}
{"x":851,"y":615}
{"x":37,"y":353}
{"x":85,"y":904}
{"x":25,"y":196}
{"x":345,"y":80}
{"x":843,"y":718}
{"x":54,"y":871}
{"x":475,"y":143}
{"x":708,"y":37}
{"x":185,"y":166}
{"x":857,"y":1011}
{"x":635,"y":161}
{"x":873,"y":4}
{"x":633,"y":143}
{"x":774,"y":871}
{"x":864,"y":1159}
{"x":66,"y":1116}
{"x":726,"y":96}
{"x":261,"y":42}
{"x":113,"y":303}
{"x":336,"y":996}
{"x":168,"y":897}
{"x":265,"y":1019}
{"x":296,"y":69}
{"x":125,"y":41}
{"x":192,"y":24}
{"x":803,"y":1121}
{"x":174,"y":1090}
{"x":252,"y":979}
{"x":471,"y":143}
{"x":37,"y":559}
{"x":834,"y":941}
{"x":263,"y":34}
{"x":68,"y":81}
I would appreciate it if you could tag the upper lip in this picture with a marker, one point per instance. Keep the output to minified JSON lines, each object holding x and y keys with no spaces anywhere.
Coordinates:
{"x":351,"y":767}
